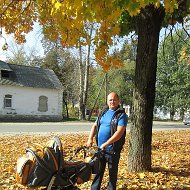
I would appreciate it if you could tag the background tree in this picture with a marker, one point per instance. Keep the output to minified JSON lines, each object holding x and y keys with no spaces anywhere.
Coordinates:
{"x":65,"y":66}
{"x":82,"y":54}
{"x":119,"y":79}
{"x":173,"y":84}
{"x":18,"y":56}
{"x":128,"y":55}
{"x":85,"y":48}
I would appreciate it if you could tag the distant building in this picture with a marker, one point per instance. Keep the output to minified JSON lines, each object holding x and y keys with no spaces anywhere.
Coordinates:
{"x":164,"y":114}
{"x":29,"y":93}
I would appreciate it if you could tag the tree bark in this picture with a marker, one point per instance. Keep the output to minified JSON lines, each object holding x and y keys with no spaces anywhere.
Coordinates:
{"x":148,"y":29}
{"x":66,"y":107}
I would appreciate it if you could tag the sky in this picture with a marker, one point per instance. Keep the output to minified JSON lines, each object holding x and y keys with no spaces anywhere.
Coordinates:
{"x":33,"y":40}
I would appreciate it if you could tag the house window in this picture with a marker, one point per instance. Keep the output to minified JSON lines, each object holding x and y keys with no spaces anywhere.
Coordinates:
{"x":8,"y":101}
{"x":43,"y":104}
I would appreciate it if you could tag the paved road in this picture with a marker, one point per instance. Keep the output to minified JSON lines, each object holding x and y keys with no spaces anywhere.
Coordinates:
{"x":44,"y":127}
{"x":71,"y":127}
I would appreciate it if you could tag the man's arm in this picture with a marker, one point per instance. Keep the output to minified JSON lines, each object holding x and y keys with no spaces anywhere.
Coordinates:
{"x":116,"y":136}
{"x":91,"y":135}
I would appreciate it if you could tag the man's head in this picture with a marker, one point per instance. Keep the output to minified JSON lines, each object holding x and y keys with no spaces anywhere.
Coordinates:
{"x":113,"y":101}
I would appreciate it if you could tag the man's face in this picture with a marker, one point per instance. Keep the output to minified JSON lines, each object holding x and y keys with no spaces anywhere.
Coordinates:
{"x":113,"y":101}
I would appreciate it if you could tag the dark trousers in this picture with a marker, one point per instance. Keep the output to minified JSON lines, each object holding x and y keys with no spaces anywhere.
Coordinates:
{"x":112,"y":159}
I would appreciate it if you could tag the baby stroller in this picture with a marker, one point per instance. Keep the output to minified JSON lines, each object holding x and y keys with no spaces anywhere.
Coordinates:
{"x":44,"y":166}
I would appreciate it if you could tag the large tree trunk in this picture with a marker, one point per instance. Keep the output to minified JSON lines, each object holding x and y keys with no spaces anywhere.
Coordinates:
{"x":148,"y":29}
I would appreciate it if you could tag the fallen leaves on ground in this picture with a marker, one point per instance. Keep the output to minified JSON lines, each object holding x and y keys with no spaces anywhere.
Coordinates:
{"x":170,"y":161}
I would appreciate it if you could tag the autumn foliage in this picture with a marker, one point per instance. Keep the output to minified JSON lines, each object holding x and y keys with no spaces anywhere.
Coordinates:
{"x":70,"y":20}
{"x":170,"y":160}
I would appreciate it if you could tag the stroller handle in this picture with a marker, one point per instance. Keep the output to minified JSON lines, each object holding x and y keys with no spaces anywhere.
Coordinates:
{"x":85,"y":150}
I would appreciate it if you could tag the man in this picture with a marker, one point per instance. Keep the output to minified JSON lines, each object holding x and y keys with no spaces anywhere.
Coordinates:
{"x":110,"y":129}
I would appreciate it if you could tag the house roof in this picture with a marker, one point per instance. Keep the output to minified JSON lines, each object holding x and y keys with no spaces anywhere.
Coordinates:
{"x":4,"y":66}
{"x":28,"y":76}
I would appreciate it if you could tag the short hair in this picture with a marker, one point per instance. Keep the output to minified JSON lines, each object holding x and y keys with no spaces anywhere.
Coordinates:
{"x":114,"y":94}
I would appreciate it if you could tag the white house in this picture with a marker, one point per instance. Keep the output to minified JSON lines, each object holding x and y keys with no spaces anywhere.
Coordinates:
{"x":29,"y":93}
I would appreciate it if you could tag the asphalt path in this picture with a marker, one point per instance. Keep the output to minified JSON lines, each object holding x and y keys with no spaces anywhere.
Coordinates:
{"x":71,"y":127}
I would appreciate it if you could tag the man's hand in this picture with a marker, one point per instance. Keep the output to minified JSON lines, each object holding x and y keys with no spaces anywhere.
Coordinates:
{"x":103,"y":146}
{"x":116,"y":136}
{"x":89,"y":143}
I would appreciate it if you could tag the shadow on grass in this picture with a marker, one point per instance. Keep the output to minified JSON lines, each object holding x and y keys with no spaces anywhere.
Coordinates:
{"x":176,"y":172}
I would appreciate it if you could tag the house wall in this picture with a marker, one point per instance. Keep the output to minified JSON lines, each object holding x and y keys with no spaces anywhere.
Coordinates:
{"x":25,"y":102}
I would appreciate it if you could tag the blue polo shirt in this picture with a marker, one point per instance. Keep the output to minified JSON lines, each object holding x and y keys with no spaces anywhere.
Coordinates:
{"x":104,"y":131}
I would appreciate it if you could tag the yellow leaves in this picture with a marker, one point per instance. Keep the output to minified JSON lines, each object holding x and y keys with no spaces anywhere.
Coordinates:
{"x":8,"y":14}
{"x":57,"y":5}
{"x":107,"y":61}
{"x":184,"y":55}
{"x":17,"y":18}
{"x":54,"y":8}
{"x":170,"y":5}
{"x":157,"y":3}
{"x":134,"y":7}
{"x":133,"y":12}
{"x":142,"y":175}
{"x":68,"y":19}
{"x":170,"y":161}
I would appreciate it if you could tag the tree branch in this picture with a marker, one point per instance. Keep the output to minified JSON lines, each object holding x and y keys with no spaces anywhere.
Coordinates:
{"x":176,"y":31}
